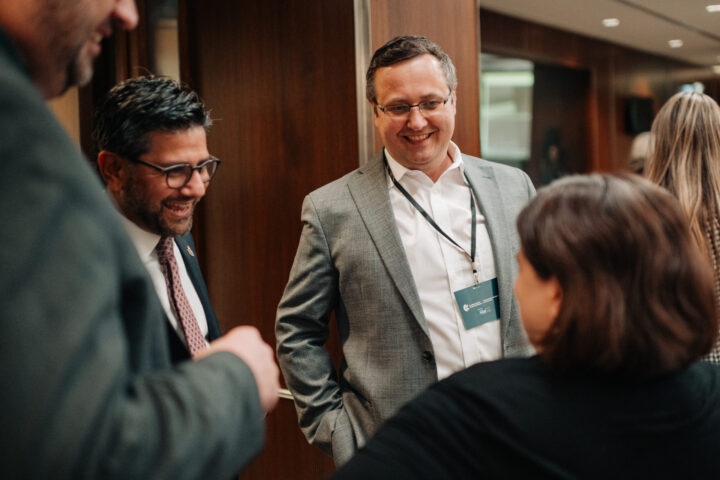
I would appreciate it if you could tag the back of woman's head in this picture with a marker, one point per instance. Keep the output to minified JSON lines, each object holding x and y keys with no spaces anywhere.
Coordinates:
{"x":685,"y":156}
{"x":637,"y":296}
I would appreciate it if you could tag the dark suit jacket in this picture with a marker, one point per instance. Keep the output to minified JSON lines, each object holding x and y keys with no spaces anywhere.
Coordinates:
{"x":88,"y":390}
{"x":178,"y":349}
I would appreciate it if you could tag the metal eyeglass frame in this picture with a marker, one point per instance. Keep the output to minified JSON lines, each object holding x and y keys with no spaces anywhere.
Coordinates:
{"x":420,"y":106}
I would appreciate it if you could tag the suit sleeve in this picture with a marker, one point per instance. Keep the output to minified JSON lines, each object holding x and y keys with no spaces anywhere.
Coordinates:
{"x":87,"y":388}
{"x":528,"y":185}
{"x":88,"y":391}
{"x":301,"y":331}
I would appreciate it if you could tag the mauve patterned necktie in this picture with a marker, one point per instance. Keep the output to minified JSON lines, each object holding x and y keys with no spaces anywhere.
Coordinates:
{"x":178,"y":300}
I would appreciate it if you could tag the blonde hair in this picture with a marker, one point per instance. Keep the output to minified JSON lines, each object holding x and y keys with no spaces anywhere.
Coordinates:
{"x":684,"y":158}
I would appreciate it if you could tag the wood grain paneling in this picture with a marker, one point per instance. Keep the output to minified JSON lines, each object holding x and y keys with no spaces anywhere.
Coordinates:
{"x":279,"y":77}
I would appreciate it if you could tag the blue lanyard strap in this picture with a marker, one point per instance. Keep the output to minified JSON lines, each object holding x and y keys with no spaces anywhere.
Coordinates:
{"x":430,"y":220}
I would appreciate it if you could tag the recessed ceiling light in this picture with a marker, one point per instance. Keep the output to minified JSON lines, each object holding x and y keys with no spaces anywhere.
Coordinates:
{"x":610,"y":22}
{"x":712,"y":8}
{"x":676,"y":43}
{"x":716,"y":69}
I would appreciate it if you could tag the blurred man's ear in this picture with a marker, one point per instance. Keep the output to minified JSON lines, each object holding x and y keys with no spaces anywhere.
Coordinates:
{"x":113,"y":170}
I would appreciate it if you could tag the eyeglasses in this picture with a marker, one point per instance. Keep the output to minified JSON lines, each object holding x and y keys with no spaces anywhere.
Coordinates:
{"x":177,"y":176}
{"x":403,"y":109}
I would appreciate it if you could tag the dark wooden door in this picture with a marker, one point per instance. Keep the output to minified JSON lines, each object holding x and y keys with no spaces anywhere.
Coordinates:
{"x":559,"y":139}
{"x":279,"y":77}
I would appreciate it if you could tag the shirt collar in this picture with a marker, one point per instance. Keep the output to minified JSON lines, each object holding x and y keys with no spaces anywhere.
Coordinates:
{"x":399,"y":171}
{"x":144,"y":241}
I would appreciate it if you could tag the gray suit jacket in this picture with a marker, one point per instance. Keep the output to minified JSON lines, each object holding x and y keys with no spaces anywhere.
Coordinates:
{"x":88,"y":390}
{"x":351,"y":261}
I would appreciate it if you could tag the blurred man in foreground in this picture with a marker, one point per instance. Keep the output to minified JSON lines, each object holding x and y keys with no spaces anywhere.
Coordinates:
{"x":88,"y":387}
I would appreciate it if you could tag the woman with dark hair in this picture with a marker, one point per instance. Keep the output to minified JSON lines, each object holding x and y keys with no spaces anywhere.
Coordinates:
{"x":619,"y":304}
{"x":684,"y":157}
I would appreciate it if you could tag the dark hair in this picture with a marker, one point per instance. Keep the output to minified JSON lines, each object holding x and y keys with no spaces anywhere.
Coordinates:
{"x":404,"y":48}
{"x":638,"y":296}
{"x":138,"y":106}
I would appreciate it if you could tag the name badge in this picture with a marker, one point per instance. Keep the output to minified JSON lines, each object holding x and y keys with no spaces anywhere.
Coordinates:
{"x":479,"y":303}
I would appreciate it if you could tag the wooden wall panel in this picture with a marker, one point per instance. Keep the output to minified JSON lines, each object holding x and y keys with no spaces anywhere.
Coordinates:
{"x":562,"y":95}
{"x":279,"y":77}
{"x":452,"y":24}
{"x":615,"y":74}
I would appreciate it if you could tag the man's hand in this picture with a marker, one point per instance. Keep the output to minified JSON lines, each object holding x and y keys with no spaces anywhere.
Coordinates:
{"x":246,"y":343}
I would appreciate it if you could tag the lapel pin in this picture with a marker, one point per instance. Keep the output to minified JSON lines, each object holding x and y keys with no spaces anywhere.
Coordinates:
{"x":190,"y":251}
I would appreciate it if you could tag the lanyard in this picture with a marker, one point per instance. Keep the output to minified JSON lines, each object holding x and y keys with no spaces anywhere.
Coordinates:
{"x":430,"y":220}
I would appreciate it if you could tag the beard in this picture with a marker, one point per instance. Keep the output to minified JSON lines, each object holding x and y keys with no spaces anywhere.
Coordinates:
{"x":68,"y":50}
{"x":137,"y":207}
{"x":80,"y":68}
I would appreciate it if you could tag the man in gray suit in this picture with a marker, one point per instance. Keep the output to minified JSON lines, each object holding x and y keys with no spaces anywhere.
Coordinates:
{"x":88,"y":389}
{"x":414,"y":252}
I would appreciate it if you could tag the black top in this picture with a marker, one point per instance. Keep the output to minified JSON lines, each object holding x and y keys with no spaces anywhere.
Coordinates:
{"x":516,"y":419}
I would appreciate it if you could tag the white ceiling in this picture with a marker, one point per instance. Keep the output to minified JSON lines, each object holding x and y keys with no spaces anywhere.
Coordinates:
{"x":645,"y":25}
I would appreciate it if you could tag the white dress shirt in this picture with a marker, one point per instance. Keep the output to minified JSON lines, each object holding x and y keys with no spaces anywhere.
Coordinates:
{"x":145,"y":243}
{"x":439,"y":267}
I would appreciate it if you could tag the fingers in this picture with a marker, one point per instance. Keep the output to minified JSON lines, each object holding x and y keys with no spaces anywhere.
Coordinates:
{"x":246,"y":343}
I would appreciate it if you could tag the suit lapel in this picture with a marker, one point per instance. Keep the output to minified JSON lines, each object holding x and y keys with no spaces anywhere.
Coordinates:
{"x":187,"y":251}
{"x":486,"y":191}
{"x":369,"y":190}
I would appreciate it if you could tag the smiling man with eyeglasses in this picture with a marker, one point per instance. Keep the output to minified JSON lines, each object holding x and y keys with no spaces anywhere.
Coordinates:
{"x":151,"y":133}
{"x":414,"y":252}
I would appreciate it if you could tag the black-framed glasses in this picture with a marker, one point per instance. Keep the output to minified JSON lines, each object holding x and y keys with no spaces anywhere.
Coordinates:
{"x":403,"y":109}
{"x":177,"y":176}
